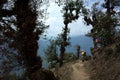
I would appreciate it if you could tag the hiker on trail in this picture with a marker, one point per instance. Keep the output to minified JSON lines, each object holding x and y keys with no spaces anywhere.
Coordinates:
{"x":96,"y":40}
{"x":83,"y":53}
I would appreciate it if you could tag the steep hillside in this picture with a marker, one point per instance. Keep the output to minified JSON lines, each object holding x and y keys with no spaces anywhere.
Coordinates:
{"x":106,"y":62}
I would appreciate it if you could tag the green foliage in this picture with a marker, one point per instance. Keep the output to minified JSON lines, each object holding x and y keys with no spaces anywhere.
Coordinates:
{"x":14,"y":77}
{"x":106,"y":29}
{"x":52,"y":56}
{"x":10,"y":77}
{"x":71,"y":12}
{"x":118,"y":48}
{"x":51,"y":53}
{"x":69,"y":57}
{"x":8,"y":53}
{"x":88,"y":57}
{"x":117,"y":40}
{"x":19,"y":24}
{"x":103,"y":23}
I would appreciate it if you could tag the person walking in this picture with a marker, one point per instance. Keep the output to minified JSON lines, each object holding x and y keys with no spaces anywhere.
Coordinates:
{"x":83,"y":53}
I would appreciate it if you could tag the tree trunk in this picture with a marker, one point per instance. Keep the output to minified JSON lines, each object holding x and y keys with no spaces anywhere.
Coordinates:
{"x":26,"y":37}
{"x":64,"y":44}
{"x":94,"y":42}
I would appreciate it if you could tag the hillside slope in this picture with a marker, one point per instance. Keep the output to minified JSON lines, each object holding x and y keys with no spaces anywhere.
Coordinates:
{"x":105,"y":65}
{"x":106,"y":62}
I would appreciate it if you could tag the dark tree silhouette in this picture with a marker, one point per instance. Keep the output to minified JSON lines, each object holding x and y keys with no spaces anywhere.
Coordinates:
{"x":24,"y":33}
{"x":27,"y":35}
{"x":78,"y":51}
{"x":8,"y":54}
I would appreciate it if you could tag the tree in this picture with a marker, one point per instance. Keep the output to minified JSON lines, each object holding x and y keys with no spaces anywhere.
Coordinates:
{"x":92,"y":20}
{"x":24,"y":32}
{"x":69,"y":16}
{"x":78,"y":51}
{"x":103,"y":23}
{"x":109,"y":23}
{"x":8,"y":53}
{"x":27,"y":34}
{"x":51,"y":53}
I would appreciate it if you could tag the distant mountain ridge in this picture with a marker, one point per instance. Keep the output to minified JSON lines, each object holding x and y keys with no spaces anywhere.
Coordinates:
{"x":84,"y":42}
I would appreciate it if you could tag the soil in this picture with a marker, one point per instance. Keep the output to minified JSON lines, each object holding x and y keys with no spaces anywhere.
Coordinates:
{"x":79,"y":72}
{"x":76,"y":70}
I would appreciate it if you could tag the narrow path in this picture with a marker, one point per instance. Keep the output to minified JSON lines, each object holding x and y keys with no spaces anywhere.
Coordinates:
{"x":79,"y":72}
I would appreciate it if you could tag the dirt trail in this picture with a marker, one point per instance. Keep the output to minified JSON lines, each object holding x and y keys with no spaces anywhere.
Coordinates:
{"x":75,"y":70}
{"x":79,"y":72}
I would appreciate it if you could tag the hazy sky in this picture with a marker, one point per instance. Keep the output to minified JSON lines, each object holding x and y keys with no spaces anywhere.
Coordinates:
{"x":55,"y":21}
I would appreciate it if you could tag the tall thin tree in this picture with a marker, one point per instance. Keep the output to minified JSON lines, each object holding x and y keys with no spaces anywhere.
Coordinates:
{"x":69,"y":16}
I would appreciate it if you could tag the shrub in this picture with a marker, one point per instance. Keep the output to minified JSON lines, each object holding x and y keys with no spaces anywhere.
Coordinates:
{"x":69,"y":57}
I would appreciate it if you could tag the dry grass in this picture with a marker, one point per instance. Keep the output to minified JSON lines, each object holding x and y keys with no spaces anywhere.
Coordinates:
{"x":106,"y":64}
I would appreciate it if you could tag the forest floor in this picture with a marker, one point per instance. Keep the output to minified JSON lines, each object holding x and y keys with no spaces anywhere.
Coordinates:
{"x":76,"y":70}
